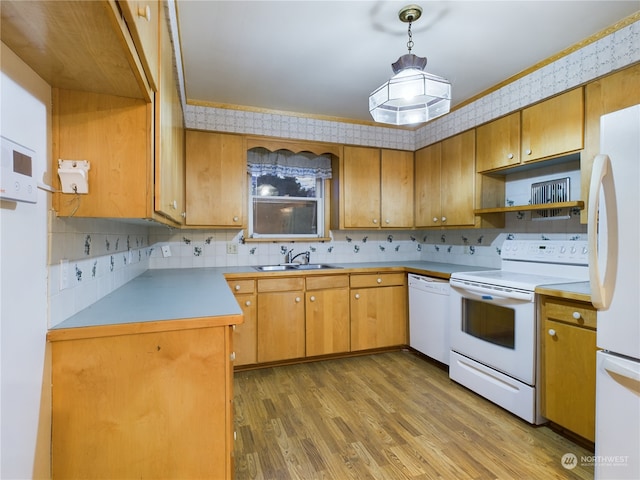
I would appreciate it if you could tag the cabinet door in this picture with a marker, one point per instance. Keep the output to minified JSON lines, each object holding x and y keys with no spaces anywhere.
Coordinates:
{"x":553,"y":127}
{"x":427,"y":186}
{"x":498,"y":143}
{"x":569,"y":377}
{"x":613,"y":92}
{"x":458,"y":173}
{"x":378,"y":317}
{"x":396,"y":188}
{"x":281,"y":326}
{"x":216,"y":179}
{"x":169,"y":142}
{"x":327,"y":325}
{"x":245,"y":335}
{"x":143,"y":21}
{"x":361,"y":187}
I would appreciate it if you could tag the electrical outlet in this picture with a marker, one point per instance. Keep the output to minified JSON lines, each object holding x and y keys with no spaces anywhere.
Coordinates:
{"x":166,"y":251}
{"x":232,"y":247}
{"x":64,"y":274}
{"x":129,"y":257}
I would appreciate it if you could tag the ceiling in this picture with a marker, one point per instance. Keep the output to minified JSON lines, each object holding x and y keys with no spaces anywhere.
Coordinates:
{"x":323,"y":58}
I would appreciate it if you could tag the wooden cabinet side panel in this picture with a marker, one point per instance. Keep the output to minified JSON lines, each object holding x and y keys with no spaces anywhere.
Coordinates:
{"x":216,"y":179}
{"x":569,"y":383}
{"x":397,"y":187}
{"x":145,"y":34}
{"x":613,"y":92}
{"x":427,"y":186}
{"x":361,"y":190}
{"x":114,"y":135}
{"x":498,"y":143}
{"x":149,"y":405}
{"x":327,"y":321}
{"x":458,"y":179}
{"x":553,"y":127}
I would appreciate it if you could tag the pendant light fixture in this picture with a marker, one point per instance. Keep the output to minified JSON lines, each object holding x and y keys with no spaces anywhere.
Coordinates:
{"x":412,"y":95}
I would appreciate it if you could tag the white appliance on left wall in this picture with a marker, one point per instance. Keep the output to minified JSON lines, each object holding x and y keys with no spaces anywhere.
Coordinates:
{"x":614,"y":244}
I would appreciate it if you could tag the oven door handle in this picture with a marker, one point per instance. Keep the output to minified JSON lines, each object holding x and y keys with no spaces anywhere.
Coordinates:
{"x":489,"y":294}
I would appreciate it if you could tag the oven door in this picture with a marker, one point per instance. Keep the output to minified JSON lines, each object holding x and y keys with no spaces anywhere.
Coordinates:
{"x":495,"y":326}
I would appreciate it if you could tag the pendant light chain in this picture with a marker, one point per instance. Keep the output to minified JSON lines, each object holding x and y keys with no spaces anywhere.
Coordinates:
{"x":410,"y":42}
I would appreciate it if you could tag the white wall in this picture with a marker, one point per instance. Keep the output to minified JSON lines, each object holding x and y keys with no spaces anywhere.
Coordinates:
{"x":25,"y":407}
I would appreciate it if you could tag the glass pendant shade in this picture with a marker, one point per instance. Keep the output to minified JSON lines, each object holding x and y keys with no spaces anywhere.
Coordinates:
{"x":411,"y":96}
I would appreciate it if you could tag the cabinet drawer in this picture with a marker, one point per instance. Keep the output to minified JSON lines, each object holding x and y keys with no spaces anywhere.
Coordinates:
{"x":377,"y":280}
{"x":242,"y":286}
{"x":280,"y":284}
{"x":575,"y":313}
{"x":327,"y":281}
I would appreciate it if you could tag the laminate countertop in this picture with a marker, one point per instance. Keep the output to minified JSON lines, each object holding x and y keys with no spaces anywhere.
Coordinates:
{"x":195,"y":293}
{"x":572,"y":291}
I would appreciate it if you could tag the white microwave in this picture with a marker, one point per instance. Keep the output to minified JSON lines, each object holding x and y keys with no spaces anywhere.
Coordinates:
{"x":16,"y":178}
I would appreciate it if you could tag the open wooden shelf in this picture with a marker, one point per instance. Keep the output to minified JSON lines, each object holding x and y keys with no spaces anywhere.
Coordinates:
{"x":521,"y":208}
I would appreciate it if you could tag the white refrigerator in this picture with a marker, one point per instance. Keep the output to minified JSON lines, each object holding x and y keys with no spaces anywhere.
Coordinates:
{"x":614,"y":244}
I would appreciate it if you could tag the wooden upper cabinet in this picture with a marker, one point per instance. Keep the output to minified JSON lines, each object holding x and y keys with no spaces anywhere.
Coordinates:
{"x":445,"y":182}
{"x":169,"y":141}
{"x":427,"y":173}
{"x":144,"y":21}
{"x":361,"y":187}
{"x":498,"y":143}
{"x":608,"y":94}
{"x":216,"y":179}
{"x":553,"y":127}
{"x":396,"y":189}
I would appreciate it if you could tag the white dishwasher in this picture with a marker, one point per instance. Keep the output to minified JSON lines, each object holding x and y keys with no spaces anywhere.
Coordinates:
{"x":429,"y":316}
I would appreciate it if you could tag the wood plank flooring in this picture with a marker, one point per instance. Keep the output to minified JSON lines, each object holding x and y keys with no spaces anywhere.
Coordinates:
{"x":386,"y":416}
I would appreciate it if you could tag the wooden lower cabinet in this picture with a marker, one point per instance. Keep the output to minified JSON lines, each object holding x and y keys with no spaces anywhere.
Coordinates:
{"x":569,"y":365}
{"x":378,"y":310}
{"x":327,"y":315}
{"x":245,"y":335}
{"x":155,"y":404}
{"x":281,"y":323}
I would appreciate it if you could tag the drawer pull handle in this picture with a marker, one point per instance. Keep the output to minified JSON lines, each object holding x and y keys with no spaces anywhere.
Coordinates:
{"x":552,"y":332}
{"x":237,"y":287}
{"x":248,"y":303}
{"x":576,"y":315}
{"x":510,"y":156}
{"x":297,"y":299}
{"x":379,"y":280}
{"x":145,"y":12}
{"x":357,"y":296}
{"x":312,"y":298}
{"x":232,"y":356}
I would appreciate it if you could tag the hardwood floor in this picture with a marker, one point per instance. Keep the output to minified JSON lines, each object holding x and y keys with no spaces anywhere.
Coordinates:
{"x":386,"y":416}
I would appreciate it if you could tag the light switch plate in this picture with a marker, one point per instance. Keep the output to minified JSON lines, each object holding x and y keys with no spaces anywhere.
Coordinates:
{"x":232,"y":248}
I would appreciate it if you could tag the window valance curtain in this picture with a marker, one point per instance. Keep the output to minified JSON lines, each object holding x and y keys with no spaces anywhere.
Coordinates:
{"x":284,"y":163}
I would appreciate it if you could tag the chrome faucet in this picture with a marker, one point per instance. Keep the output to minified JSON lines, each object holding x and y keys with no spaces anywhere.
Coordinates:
{"x":288,"y":258}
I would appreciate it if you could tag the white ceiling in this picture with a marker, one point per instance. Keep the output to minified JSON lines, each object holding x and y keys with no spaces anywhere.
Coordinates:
{"x":325,"y":57}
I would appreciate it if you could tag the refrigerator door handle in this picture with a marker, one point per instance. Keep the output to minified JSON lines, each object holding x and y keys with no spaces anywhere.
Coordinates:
{"x":602,"y":285}
{"x":611,"y":365}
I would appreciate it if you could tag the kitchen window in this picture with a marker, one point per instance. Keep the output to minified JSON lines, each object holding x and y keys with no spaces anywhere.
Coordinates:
{"x":287,"y":194}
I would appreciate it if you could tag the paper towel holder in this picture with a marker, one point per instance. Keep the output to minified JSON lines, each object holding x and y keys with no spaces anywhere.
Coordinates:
{"x":74,"y":175}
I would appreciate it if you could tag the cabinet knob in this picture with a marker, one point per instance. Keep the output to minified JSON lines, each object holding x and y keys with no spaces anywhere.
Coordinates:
{"x":379,"y":280}
{"x":145,"y":12}
{"x":183,"y":214}
{"x":375,"y":221}
{"x":297,"y":299}
{"x":528,"y":151}
{"x":233,"y":327}
{"x":435,"y":219}
{"x":356,"y":296}
{"x":237,"y":287}
{"x":552,"y":332}
{"x":387,"y":221}
{"x":174,"y":204}
{"x":235,"y":435}
{"x":236,"y":218}
{"x":576,"y":315}
{"x":248,"y":303}
{"x":444,"y":219}
{"x":232,"y":357}
{"x":510,"y":156}
{"x":312,"y":298}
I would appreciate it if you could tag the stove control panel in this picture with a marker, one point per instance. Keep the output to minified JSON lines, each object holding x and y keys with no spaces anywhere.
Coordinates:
{"x":546,"y":251}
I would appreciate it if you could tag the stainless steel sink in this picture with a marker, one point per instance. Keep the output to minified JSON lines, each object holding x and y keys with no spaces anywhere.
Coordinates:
{"x":297,"y":266}
{"x":274,"y":268}
{"x":315,"y":266}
